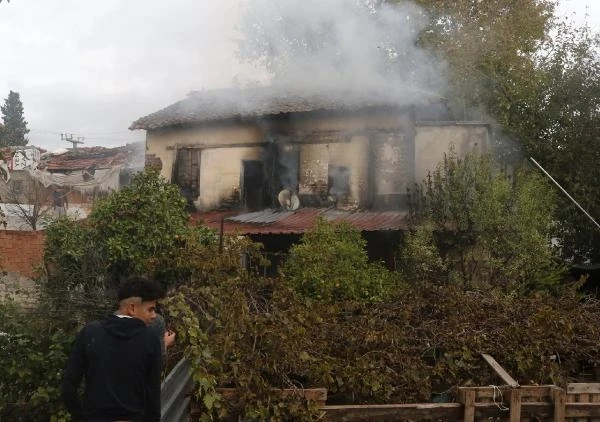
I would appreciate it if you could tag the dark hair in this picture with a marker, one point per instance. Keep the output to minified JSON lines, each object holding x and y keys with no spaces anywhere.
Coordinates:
{"x":138,"y":286}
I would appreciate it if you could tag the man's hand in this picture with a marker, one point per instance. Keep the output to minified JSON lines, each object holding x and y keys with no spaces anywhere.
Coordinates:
{"x":169,"y":338}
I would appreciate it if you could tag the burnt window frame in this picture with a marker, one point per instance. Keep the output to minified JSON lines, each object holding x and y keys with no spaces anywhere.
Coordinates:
{"x":193,"y":160}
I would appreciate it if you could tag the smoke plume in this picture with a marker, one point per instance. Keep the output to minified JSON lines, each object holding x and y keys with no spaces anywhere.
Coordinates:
{"x":361,"y":46}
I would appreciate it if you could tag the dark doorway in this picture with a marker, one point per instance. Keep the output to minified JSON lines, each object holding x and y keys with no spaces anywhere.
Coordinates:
{"x":252,"y":185}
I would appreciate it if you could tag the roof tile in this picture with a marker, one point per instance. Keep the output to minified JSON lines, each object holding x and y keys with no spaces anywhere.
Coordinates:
{"x":93,"y":158}
{"x":213,"y":105}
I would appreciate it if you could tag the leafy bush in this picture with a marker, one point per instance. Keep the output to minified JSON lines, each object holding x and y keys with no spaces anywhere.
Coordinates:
{"x":333,"y":319}
{"x":330,"y":263}
{"x":142,"y":228}
{"x":142,"y":222}
{"x":33,"y":356}
{"x":487,"y":228}
{"x":71,"y":256}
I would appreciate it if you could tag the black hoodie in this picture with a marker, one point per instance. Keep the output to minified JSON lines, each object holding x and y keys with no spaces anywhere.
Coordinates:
{"x":120,"y":359}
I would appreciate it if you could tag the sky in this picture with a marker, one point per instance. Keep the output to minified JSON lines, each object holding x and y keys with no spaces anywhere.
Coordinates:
{"x":90,"y":68}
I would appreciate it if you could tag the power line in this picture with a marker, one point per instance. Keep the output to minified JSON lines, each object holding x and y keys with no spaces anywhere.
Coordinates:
{"x":53,"y":132}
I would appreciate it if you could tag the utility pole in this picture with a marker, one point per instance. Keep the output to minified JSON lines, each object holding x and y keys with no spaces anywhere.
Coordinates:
{"x":69,"y":138}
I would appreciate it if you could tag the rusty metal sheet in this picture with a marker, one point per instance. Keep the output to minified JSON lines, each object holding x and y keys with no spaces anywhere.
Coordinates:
{"x":260,"y":217}
{"x":294,"y":222}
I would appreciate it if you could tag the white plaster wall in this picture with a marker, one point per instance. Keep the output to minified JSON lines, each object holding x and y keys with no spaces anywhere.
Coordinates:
{"x":354,"y":155}
{"x":314,"y":162}
{"x":164,"y":143}
{"x":433,"y":141}
{"x":220,"y":168}
{"x":220,"y":172}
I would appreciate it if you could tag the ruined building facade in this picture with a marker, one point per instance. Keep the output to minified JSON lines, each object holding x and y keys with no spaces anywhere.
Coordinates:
{"x":239,"y":149}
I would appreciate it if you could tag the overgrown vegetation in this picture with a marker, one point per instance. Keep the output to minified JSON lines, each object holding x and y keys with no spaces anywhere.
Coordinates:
{"x":331,"y":319}
{"x":139,"y":227}
{"x":256,"y":334}
{"x":142,"y":228}
{"x":538,"y":76}
{"x":476,"y":225}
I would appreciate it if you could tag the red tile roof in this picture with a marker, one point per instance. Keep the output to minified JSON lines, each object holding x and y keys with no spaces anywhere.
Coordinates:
{"x":293,"y":222}
{"x":93,"y":158}
{"x":223,"y":104}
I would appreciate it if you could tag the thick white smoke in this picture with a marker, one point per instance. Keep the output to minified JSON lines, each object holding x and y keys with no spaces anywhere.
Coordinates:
{"x":352,"y":45}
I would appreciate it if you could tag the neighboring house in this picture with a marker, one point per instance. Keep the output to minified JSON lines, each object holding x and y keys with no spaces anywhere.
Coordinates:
{"x":13,"y":162}
{"x":86,"y":173}
{"x":17,"y":186}
{"x":272,"y":161}
{"x":52,"y":183}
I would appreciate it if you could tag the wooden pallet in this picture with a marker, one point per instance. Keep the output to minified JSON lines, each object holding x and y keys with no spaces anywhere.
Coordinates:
{"x":514,"y":404}
{"x":583,"y":402}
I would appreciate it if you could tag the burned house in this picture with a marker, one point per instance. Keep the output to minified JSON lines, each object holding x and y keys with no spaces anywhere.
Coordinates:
{"x":239,"y":149}
{"x":262,"y":157}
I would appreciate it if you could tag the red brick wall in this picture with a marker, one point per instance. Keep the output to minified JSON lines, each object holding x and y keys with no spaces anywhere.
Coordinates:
{"x":21,"y":251}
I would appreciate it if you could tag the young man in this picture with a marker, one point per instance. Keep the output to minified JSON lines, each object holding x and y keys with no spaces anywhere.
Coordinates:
{"x":120,"y":359}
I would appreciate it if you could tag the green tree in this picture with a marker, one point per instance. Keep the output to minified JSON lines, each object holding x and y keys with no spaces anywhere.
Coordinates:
{"x":143,"y":228}
{"x":557,"y":120}
{"x":331,"y":263}
{"x":140,"y":228}
{"x":539,"y":78}
{"x":536,"y":76}
{"x":15,"y":125}
{"x":490,"y":229}
{"x":490,"y":46}
{"x":140,"y":224}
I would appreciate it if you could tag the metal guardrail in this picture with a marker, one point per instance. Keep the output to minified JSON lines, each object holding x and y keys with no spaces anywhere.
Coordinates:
{"x":174,"y":393}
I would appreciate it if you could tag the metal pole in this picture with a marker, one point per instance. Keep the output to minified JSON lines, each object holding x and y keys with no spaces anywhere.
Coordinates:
{"x":565,"y":192}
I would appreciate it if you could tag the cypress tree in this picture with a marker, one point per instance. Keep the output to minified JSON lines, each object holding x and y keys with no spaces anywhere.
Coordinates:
{"x":15,"y":125}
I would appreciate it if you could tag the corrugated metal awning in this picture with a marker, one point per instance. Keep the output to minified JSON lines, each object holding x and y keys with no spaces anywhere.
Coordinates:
{"x":272,"y":221}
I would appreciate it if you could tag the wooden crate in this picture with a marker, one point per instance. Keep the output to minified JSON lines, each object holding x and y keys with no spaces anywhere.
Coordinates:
{"x":583,"y":402}
{"x":546,"y":402}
